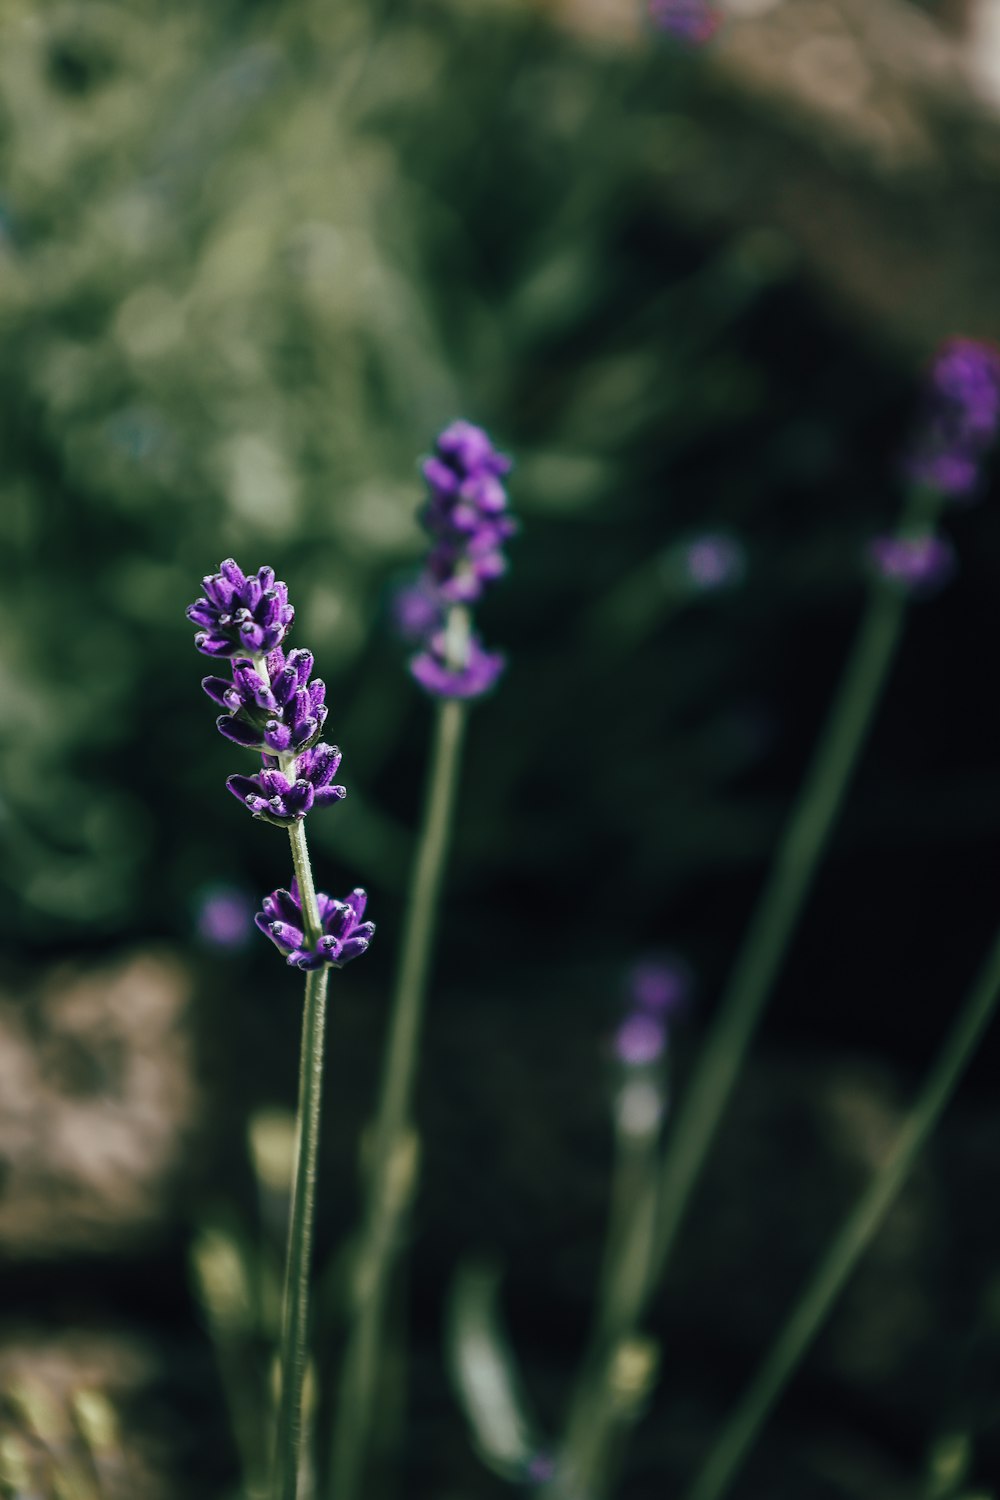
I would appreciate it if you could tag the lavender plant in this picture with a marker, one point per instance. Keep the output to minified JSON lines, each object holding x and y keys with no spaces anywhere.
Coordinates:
{"x":961,"y":416}
{"x":468,"y":522}
{"x":274,"y":708}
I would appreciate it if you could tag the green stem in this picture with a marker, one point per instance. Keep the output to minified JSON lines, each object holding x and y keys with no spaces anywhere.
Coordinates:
{"x":853,"y":1239}
{"x":392,"y":1160}
{"x":774,"y":920}
{"x":596,"y":1418}
{"x":294,"y":1352}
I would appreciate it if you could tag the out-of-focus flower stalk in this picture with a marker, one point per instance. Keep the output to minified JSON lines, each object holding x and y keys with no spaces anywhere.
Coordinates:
{"x":467,"y":517}
{"x":393,"y":1160}
{"x":853,"y":1239}
{"x":616,"y":1374}
{"x":788,"y":885}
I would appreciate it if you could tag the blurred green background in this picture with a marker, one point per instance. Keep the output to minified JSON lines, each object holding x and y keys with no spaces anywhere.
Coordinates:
{"x":252,"y":257}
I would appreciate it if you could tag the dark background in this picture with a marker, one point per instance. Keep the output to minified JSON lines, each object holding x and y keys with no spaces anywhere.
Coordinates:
{"x":251,"y":259}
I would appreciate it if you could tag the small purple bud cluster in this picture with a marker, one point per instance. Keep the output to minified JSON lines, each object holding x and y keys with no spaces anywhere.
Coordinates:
{"x":344,"y":935}
{"x":961,"y":417}
{"x":657,"y":990}
{"x":711,"y":562}
{"x":691,"y":21}
{"x":240,"y":614}
{"x":273,"y":707}
{"x":271,"y":704}
{"x":466,"y":516}
{"x":918,"y":565}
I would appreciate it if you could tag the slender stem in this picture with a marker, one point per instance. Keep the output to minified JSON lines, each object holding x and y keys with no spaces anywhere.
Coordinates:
{"x":303,"y":875}
{"x":788,"y":885}
{"x":853,"y":1239}
{"x":392,"y":1161}
{"x":595,"y":1416}
{"x":294,"y":1351}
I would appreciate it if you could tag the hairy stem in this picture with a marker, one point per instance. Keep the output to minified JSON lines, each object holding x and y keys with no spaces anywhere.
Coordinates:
{"x":853,"y":1238}
{"x":294,"y":1350}
{"x":394,"y":1146}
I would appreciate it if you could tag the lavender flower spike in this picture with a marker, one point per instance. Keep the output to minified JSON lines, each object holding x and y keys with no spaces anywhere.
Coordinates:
{"x":241,"y":614}
{"x":284,"y":797}
{"x":344,"y":934}
{"x":961,"y":417}
{"x":466,"y":514}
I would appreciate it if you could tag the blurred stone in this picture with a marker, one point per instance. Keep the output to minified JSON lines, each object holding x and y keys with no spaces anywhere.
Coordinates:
{"x":62,"y":1401}
{"x":96,"y":1101}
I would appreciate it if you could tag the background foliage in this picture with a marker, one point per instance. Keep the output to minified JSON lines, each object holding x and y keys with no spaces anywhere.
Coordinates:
{"x":252,"y":257}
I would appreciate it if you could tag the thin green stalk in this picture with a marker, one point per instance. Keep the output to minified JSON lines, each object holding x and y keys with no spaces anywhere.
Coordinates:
{"x":294,"y":1349}
{"x":393,"y":1163}
{"x":597,"y":1412}
{"x":853,"y":1239}
{"x":789,"y":883}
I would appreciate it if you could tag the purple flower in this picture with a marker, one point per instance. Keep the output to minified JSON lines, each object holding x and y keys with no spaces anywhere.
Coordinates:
{"x":241,"y":615}
{"x":640,"y":1040}
{"x":691,"y":21}
{"x":272,"y":706}
{"x":960,"y":419}
{"x":714,"y":561}
{"x":436,"y":675}
{"x":224,"y":917}
{"x":276,"y":797}
{"x":918,"y":564}
{"x":658,"y":985}
{"x":344,"y":935}
{"x":465,"y":513}
{"x":416,"y":610}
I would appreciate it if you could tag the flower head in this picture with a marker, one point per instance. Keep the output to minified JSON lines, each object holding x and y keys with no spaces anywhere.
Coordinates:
{"x":272,"y":707}
{"x":224,"y":917}
{"x":416,"y":610}
{"x":691,"y":21}
{"x":918,"y":564}
{"x":283,"y":798}
{"x":436,"y":675}
{"x":344,"y":935}
{"x":466,"y":513}
{"x":960,"y":419}
{"x":640,"y":1040}
{"x":715,"y":560}
{"x":658,"y":985}
{"x":241,"y":614}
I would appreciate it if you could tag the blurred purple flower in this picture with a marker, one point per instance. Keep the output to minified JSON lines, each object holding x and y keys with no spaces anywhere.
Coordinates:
{"x":465,"y":513}
{"x":691,"y":21}
{"x":224,"y":917}
{"x":436,"y":675}
{"x":415,"y":610}
{"x":961,"y":415}
{"x":658,"y":984}
{"x":540,"y":1469}
{"x":466,"y":516}
{"x":714,"y":561}
{"x":640,"y":1040}
{"x":919,"y":564}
